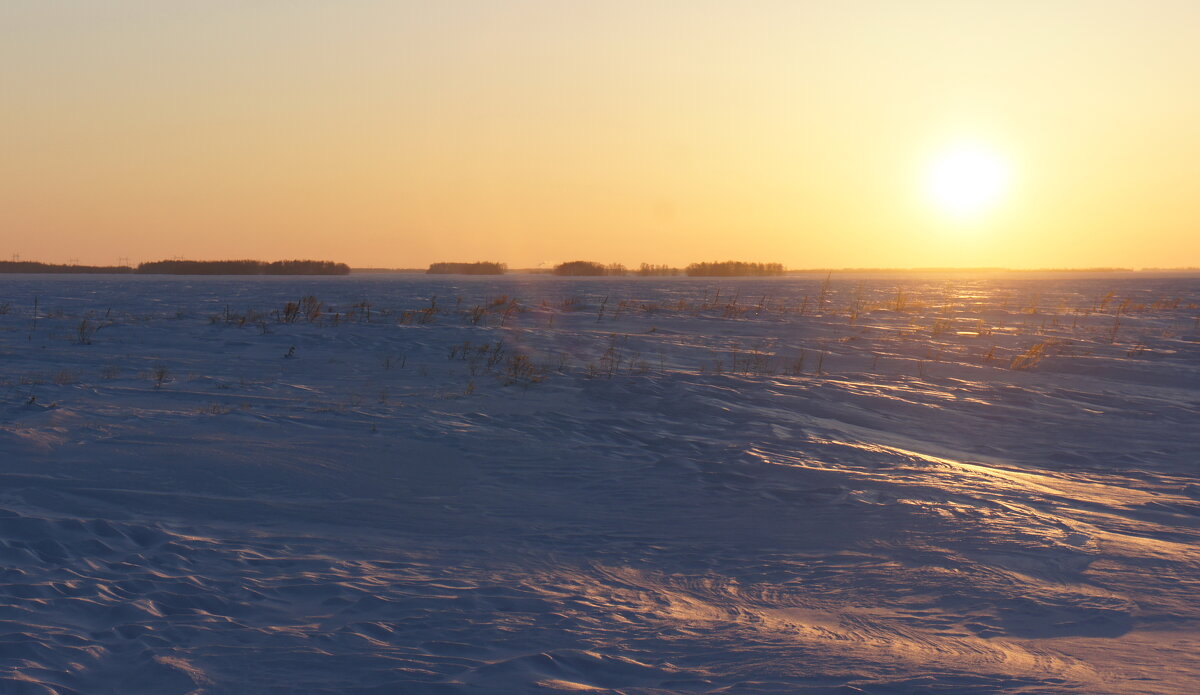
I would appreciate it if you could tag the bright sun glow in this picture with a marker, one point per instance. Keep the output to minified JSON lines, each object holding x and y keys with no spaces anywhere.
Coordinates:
{"x":967,"y":181}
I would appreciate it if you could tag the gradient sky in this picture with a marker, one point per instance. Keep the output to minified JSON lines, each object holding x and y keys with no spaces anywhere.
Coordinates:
{"x":401,"y":133}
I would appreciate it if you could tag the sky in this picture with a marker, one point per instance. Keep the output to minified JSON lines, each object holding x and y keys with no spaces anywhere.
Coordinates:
{"x":397,"y":134}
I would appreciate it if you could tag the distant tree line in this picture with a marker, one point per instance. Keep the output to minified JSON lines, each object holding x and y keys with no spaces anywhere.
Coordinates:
{"x":733,"y":268}
{"x":647,"y":269}
{"x":723,"y":268}
{"x":244,"y":267}
{"x":480,"y":268}
{"x":1073,"y":270}
{"x":589,"y":268}
{"x":185,"y":268}
{"x":35,"y":267}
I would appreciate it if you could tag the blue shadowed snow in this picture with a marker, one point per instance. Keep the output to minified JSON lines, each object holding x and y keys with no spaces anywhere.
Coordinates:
{"x":889,"y":484}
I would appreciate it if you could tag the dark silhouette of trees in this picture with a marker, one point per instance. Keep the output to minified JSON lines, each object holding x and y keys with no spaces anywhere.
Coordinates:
{"x":243,"y":267}
{"x":579,"y":268}
{"x":647,"y":269}
{"x":35,"y":267}
{"x":589,"y":268}
{"x":733,"y":268}
{"x":480,"y":268}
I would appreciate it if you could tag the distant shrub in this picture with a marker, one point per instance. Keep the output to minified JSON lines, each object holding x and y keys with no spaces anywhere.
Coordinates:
{"x":579,"y":268}
{"x":243,"y":267}
{"x":480,"y":268}
{"x":733,"y":268}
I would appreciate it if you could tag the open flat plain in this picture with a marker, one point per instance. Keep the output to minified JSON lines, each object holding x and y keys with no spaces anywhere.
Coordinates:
{"x":941,"y":483}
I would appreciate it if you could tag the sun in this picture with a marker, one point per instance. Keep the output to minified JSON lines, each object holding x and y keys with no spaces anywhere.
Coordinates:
{"x":967,"y":180}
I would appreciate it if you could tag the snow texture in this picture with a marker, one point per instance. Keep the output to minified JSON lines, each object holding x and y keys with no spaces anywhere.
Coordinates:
{"x":867,"y":484}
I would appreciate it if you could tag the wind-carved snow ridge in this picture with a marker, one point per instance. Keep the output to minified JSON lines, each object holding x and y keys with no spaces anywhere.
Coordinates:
{"x":402,"y":484}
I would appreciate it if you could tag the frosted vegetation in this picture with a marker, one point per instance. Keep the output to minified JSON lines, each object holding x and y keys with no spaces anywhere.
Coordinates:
{"x":433,"y":484}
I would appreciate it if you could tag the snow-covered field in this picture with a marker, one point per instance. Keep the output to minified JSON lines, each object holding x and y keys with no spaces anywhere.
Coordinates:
{"x":900,"y":484}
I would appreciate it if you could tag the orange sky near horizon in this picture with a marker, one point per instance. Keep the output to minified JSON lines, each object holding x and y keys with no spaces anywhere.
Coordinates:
{"x":398,"y":134}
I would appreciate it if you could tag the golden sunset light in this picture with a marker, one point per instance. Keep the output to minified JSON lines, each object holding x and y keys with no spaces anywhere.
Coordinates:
{"x":687,"y":347}
{"x":391,"y":133}
{"x":967,"y":180}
